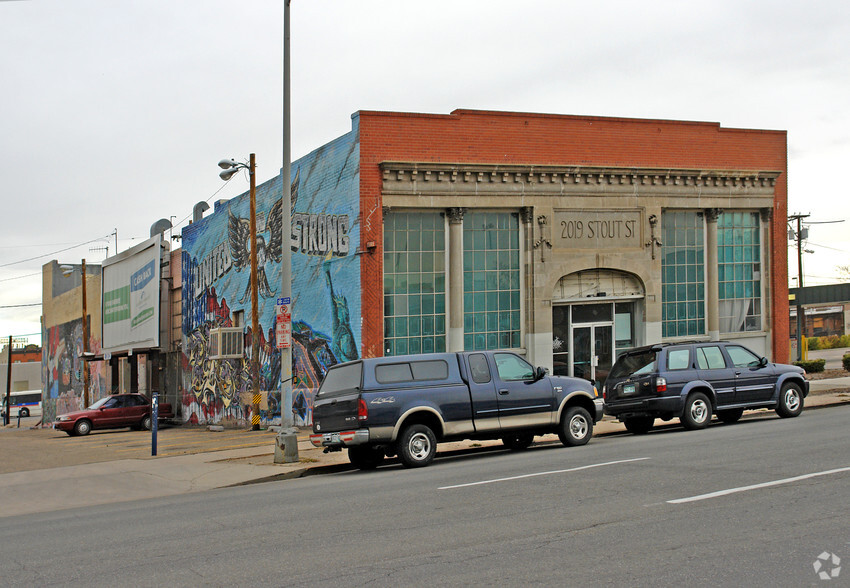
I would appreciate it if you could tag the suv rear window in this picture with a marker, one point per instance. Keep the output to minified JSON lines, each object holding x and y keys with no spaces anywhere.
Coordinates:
{"x":679,"y":359}
{"x":634,"y":363}
{"x":341,"y":380}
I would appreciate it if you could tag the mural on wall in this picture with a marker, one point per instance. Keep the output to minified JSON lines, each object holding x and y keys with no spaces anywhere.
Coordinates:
{"x":62,"y":368}
{"x":325,"y":289}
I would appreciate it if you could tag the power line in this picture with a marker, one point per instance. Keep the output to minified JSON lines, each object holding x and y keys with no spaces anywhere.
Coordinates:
{"x":20,"y":277}
{"x":53,"y":253}
{"x":21,"y":305}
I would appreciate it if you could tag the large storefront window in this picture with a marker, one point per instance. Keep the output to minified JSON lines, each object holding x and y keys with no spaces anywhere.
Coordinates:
{"x":739,"y":271}
{"x":491,"y":277}
{"x":414,"y":283}
{"x":683,"y":274}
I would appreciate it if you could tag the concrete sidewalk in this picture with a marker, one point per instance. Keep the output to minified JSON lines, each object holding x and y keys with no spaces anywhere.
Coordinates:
{"x":120,"y":480}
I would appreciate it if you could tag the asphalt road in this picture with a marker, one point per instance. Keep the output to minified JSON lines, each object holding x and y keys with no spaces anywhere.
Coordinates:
{"x":623,"y":510}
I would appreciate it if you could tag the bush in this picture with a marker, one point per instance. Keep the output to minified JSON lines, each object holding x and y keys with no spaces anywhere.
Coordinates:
{"x":846,"y":361}
{"x":813,"y":343}
{"x":812,"y":366}
{"x":828,"y":342}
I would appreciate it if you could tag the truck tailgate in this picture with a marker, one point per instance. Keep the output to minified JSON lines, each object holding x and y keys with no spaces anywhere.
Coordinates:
{"x":337,"y":413}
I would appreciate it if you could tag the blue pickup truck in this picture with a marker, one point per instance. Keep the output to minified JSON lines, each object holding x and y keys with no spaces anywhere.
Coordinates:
{"x":405,"y":405}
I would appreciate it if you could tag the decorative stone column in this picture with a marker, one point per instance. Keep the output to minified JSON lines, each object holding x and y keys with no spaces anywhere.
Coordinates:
{"x":455,"y":334}
{"x":766,"y":215}
{"x":712,"y":284}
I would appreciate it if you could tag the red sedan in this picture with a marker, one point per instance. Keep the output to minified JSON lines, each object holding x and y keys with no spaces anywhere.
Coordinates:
{"x":112,"y":412}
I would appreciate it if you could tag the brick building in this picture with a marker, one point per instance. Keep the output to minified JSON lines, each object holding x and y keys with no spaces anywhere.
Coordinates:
{"x":566,"y":238}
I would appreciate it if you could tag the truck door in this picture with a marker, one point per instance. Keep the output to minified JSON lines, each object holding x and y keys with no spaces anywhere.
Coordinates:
{"x":523,"y":402}
{"x":482,"y":391}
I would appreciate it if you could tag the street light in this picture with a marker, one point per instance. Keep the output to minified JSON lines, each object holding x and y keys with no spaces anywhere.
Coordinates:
{"x":67,"y":270}
{"x":230,"y":167}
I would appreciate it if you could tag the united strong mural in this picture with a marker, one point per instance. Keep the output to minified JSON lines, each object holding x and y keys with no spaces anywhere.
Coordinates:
{"x":325,"y":289}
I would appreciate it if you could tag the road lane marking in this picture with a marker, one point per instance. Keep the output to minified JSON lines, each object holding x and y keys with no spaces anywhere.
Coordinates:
{"x":576,"y":469}
{"x":756,"y":486}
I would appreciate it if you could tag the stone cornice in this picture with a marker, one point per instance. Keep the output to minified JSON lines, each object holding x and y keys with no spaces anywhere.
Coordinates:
{"x":415,"y":177}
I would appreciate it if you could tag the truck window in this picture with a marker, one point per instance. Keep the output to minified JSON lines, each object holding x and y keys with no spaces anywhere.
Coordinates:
{"x":512,"y":367}
{"x":430,"y":370}
{"x":341,"y":380}
{"x":678,"y":359}
{"x":393,"y":373}
{"x":479,"y":369}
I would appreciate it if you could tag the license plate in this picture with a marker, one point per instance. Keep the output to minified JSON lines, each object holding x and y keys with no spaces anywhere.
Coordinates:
{"x":332,"y":438}
{"x":628,"y":389}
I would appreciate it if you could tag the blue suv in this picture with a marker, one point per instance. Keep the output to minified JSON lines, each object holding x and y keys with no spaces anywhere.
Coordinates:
{"x":694,"y":380}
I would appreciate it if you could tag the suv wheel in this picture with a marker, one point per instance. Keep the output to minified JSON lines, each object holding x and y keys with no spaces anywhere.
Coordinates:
{"x":790,"y":401}
{"x":697,"y":412}
{"x":639,"y":425}
{"x":731,"y":415}
{"x":576,"y":427}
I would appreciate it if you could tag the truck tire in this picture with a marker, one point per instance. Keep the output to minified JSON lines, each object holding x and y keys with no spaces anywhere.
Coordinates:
{"x":417,"y":446}
{"x":790,"y":401}
{"x":518,"y":441}
{"x":576,"y":427}
{"x":365,"y":458}
{"x":730,"y":415}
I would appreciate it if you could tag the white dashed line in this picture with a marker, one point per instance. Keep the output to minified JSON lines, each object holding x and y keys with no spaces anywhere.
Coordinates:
{"x":587,"y":467}
{"x":756,"y":486}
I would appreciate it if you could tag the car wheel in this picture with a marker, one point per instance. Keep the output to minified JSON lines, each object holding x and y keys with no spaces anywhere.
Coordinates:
{"x":697,"y":412}
{"x":146,"y":423}
{"x":576,"y":427}
{"x":732,"y":415}
{"x":82,"y":427}
{"x":518,"y":441}
{"x":24,"y":413}
{"x":417,"y":446}
{"x":790,"y":401}
{"x":639,"y":425}
{"x":365,"y":458}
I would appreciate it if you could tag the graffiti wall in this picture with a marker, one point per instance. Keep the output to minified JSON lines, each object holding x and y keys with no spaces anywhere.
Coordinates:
{"x":325,"y":232}
{"x":63,"y":369}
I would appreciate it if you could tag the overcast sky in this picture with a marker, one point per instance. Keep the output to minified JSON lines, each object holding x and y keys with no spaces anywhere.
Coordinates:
{"x":114,"y":114}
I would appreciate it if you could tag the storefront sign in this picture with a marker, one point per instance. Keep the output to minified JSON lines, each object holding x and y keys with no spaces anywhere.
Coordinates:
{"x":599,"y":229}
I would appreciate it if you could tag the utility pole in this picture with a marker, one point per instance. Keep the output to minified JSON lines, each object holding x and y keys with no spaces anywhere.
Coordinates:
{"x":83,"y":364}
{"x":801,"y":321}
{"x":255,"y":321}
{"x":8,"y":383}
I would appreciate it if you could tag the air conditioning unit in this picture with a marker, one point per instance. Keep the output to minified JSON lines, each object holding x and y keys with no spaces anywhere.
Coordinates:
{"x":227,"y":343}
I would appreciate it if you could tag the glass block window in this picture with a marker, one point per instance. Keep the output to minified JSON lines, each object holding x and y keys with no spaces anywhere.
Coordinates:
{"x":739,"y":272}
{"x":682,"y":274}
{"x":491,"y":278}
{"x":414,"y":283}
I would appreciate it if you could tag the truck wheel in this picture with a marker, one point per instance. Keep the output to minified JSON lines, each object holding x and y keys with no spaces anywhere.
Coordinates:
{"x":365,"y":458}
{"x":790,"y":401}
{"x":417,"y":446}
{"x":576,"y":427}
{"x":518,"y":442}
{"x":697,"y":413}
{"x":639,"y":425}
{"x":729,"y":416}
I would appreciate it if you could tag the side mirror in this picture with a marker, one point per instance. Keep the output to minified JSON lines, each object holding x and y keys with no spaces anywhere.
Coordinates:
{"x":539,"y":373}
{"x":763,"y":362}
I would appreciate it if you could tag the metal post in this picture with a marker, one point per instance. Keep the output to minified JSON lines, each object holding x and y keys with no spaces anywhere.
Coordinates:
{"x":154,"y":420}
{"x":83,"y":364}
{"x":286,"y":416}
{"x":255,"y":321}
{"x":6,"y":419}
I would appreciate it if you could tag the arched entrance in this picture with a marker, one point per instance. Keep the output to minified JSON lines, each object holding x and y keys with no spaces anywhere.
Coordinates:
{"x":595,"y":314}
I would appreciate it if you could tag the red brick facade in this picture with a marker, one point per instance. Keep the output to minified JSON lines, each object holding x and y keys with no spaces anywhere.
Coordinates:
{"x":544,"y":139}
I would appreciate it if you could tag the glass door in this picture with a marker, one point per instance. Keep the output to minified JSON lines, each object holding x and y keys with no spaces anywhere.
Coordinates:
{"x":593,"y":350}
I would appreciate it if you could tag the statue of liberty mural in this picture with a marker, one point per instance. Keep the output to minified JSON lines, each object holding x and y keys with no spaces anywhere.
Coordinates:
{"x":343,"y":344}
